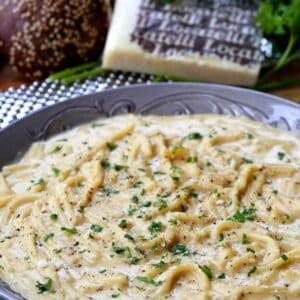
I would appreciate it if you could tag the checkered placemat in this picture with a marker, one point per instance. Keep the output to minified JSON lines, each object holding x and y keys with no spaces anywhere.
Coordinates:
{"x":16,"y":103}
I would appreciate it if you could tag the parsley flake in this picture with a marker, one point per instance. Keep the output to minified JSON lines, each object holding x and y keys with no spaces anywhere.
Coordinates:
{"x":207,"y":271}
{"x":44,"y":287}
{"x":246,"y":214}
{"x":148,"y":280}
{"x":96,"y":228}
{"x":155,"y":227}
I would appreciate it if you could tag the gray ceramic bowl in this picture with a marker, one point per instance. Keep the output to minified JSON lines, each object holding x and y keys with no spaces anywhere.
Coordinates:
{"x":162,"y":99}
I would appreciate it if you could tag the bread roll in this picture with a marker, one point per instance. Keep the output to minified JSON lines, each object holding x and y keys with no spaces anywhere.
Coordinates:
{"x":39,"y":37}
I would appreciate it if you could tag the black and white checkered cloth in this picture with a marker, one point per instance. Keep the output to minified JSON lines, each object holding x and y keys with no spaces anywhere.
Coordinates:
{"x":16,"y":103}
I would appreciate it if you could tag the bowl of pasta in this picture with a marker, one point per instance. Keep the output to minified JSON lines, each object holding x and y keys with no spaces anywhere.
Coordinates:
{"x":166,"y":191}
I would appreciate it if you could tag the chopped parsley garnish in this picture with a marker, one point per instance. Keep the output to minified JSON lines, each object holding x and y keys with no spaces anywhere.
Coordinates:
{"x":284,"y":257}
{"x":278,"y":238}
{"x":250,"y":250}
{"x":159,"y":173}
{"x":245,"y":239}
{"x":176,"y":172}
{"x":53,"y":217}
{"x":96,"y":228}
{"x":128,"y":237}
{"x":134,"y":260}
{"x":250,"y":136}
{"x":111,"y":147}
{"x":44,"y":287}
{"x":55,"y":170}
{"x":137,"y":184}
{"x":127,"y":252}
{"x":253,"y":270}
{"x":123,"y":224}
{"x":56,"y":149}
{"x":131,"y":211}
{"x":180,"y":249}
{"x":41,"y":181}
{"x":115,"y":295}
{"x":148,"y":280}
{"x":69,"y":230}
{"x":221,"y":237}
{"x":135,"y":199}
{"x":119,"y":168}
{"x":159,"y":265}
{"x":246,"y":214}
{"x":194,"y":136}
{"x":122,"y":251}
{"x":280,"y":155}
{"x":147,"y":204}
{"x":162,"y":204}
{"x":155,"y":227}
{"x":275,"y":192}
{"x":207,"y":271}
{"x":109,"y":191}
{"x":117,"y":249}
{"x":173,"y":221}
{"x":247,"y":161}
{"x":48,"y":236}
{"x":192,"y":159}
{"x":105,"y":164}
{"x":222,"y":276}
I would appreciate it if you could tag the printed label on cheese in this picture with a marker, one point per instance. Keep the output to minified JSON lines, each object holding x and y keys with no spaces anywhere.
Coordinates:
{"x":222,"y":29}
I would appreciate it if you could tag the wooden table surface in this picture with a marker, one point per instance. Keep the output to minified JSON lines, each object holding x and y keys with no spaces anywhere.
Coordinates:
{"x":10,"y":79}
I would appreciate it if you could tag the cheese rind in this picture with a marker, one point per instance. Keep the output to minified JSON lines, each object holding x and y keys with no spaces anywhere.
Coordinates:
{"x":142,"y":38}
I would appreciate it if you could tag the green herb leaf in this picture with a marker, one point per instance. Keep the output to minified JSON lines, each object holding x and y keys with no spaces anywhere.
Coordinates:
{"x":69,"y":230}
{"x":123,"y":224}
{"x":117,"y":249}
{"x":284,"y":257}
{"x":176,"y":172}
{"x":111,"y":147}
{"x":56,"y":149}
{"x":96,"y":228}
{"x":192,"y":159}
{"x":159,"y":265}
{"x":128,"y":237}
{"x":55,"y":170}
{"x":48,"y":236}
{"x":148,"y":280}
{"x":135,"y":199}
{"x":245,"y":239}
{"x":246,"y":214}
{"x":44,"y":287}
{"x":207,"y":271}
{"x":280,"y":155}
{"x":173,"y":221}
{"x":120,"y":168}
{"x":250,"y":250}
{"x":155,"y":227}
{"x":253,"y":270}
{"x":53,"y":217}
{"x":105,"y":164}
{"x":159,"y":173}
{"x":194,"y":136}
{"x":180,"y":249}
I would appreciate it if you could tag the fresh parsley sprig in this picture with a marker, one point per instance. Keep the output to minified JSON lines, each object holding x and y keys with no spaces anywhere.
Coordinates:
{"x":279,"y":21}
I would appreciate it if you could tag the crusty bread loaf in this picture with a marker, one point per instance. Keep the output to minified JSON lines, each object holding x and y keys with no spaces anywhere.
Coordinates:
{"x":39,"y":37}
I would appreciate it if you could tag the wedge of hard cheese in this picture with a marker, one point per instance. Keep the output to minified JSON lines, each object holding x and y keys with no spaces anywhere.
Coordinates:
{"x":215,"y":41}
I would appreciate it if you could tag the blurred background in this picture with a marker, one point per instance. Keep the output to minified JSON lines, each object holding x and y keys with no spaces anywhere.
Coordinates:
{"x":38,"y":40}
